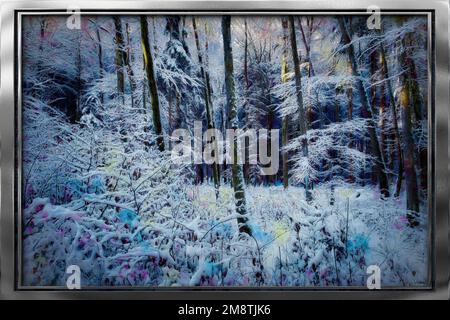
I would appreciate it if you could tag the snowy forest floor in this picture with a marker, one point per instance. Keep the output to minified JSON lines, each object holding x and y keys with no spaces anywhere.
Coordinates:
{"x":293,"y":243}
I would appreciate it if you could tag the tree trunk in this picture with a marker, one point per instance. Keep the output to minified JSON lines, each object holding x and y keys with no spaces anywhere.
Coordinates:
{"x":208,"y":82}
{"x":302,"y":115}
{"x":418,"y":106}
{"x":351,"y":176}
{"x":128,"y":60}
{"x":155,"y":44}
{"x":373,"y":98}
{"x":208,"y":86}
{"x":270,"y":118}
{"x":148,"y":63}
{"x":390,"y":92}
{"x":100,"y":60}
{"x":367,"y":109}
{"x":412,"y":195}
{"x":119,"y":59}
{"x":78,"y":109}
{"x":209,"y":115}
{"x":284,"y":142}
{"x":285,"y":120}
{"x":238,"y":186}
{"x":246,"y":87}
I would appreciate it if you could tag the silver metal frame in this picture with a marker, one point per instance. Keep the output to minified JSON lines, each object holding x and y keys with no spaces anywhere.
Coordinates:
{"x":10,"y":142}
{"x":19,"y":154}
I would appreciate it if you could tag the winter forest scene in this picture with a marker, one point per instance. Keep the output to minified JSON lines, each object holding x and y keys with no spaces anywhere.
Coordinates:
{"x":317,"y":127}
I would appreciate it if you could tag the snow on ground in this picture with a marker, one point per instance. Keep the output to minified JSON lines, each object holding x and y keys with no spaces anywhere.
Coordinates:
{"x":293,"y":243}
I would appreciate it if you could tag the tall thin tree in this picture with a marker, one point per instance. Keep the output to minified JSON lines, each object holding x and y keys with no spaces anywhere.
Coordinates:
{"x":119,"y":59}
{"x":208,"y":107}
{"x":238,"y":184}
{"x":285,"y":120}
{"x":394,"y":118}
{"x":150,"y":72}
{"x":303,"y":121}
{"x":406,"y":109}
{"x":128,"y":59}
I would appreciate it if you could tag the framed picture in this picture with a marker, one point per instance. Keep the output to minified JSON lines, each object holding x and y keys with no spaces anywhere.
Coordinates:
{"x":167,"y":150}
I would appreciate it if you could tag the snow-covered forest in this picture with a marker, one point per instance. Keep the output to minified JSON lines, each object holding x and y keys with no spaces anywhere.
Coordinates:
{"x":101,"y":189}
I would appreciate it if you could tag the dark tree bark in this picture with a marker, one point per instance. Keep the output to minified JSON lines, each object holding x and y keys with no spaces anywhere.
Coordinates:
{"x":418,"y":106}
{"x":390,"y":92}
{"x":209,"y":114}
{"x":208,"y":81}
{"x":208,"y":84}
{"x":148,"y":63}
{"x":100,"y":59}
{"x":246,"y":87}
{"x":285,"y":120}
{"x":412,"y":194}
{"x":303,"y":121}
{"x":270,"y":119}
{"x":78,"y":83}
{"x":119,"y":58}
{"x":374,"y":97}
{"x":349,"y":92}
{"x":238,"y":184}
{"x":128,"y":59}
{"x":155,"y":44}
